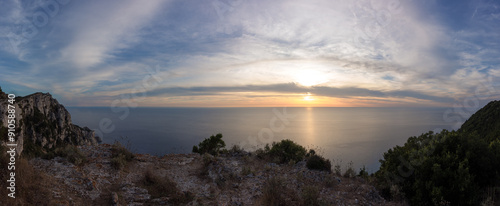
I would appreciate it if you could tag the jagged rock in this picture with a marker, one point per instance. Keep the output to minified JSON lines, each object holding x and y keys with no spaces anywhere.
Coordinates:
{"x":41,"y":120}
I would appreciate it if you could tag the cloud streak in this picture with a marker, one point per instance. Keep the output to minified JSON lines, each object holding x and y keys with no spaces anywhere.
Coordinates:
{"x":292,"y":88}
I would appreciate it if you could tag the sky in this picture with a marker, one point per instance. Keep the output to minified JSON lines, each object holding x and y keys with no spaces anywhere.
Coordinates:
{"x":252,"y":53}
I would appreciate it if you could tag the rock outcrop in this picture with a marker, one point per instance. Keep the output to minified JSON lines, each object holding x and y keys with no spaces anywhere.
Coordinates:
{"x":43,"y":123}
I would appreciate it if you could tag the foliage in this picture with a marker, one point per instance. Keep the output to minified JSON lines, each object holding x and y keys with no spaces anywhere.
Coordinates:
{"x":287,"y":150}
{"x":316,"y":162}
{"x":120,"y":156}
{"x":485,"y":122}
{"x":457,"y":167}
{"x":72,"y":154}
{"x":363,"y":173}
{"x":447,"y":167}
{"x":212,"y":145}
{"x":236,"y":150}
{"x":32,"y":150}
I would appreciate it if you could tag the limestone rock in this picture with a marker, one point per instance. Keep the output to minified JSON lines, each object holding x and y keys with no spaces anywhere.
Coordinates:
{"x":41,"y":120}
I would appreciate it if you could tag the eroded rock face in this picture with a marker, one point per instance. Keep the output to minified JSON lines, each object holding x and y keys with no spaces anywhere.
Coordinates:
{"x":41,"y":120}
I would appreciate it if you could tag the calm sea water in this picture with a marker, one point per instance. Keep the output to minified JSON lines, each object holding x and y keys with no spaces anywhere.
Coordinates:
{"x":360,"y":135}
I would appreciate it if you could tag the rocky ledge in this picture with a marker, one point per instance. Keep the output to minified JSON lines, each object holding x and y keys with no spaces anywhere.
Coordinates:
{"x":43,"y":123}
{"x":236,"y":178}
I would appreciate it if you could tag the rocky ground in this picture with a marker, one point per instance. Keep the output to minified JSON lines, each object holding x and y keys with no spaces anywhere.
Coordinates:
{"x":232,"y":179}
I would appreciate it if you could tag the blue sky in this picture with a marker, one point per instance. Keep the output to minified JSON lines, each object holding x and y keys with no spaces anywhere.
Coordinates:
{"x":252,"y":52}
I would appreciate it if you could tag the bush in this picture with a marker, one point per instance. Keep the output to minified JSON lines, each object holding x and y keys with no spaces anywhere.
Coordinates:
{"x":363,"y":173}
{"x":316,"y":162}
{"x":212,"y":145}
{"x":120,"y":156}
{"x":287,"y":150}
{"x":448,"y":166}
{"x":71,"y":153}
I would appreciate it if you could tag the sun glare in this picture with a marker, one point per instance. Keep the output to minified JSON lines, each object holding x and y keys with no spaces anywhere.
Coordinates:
{"x":310,"y":77}
{"x":308,"y":97}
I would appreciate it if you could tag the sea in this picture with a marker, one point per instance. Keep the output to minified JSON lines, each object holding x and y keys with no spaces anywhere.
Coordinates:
{"x":357,"y":136}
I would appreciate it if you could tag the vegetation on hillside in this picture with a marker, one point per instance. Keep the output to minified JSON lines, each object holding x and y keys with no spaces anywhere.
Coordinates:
{"x":285,"y":151}
{"x":447,"y":168}
{"x":212,"y":145}
{"x":485,"y":122}
{"x":120,"y":156}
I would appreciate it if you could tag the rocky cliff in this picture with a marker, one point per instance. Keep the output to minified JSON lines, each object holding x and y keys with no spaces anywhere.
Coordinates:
{"x":42,"y":124}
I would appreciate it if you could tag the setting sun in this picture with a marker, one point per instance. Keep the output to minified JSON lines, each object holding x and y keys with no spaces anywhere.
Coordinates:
{"x":308,"y":97}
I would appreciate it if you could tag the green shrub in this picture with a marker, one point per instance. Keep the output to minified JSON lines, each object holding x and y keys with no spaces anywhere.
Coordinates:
{"x":316,"y":162}
{"x":433,"y":168}
{"x":363,"y":173}
{"x":120,"y":156}
{"x":286,"y":151}
{"x":212,"y":145}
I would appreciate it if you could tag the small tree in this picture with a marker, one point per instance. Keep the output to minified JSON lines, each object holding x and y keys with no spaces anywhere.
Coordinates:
{"x":287,"y":151}
{"x":212,"y":145}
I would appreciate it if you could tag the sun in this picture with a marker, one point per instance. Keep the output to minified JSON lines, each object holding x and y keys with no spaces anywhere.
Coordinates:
{"x":310,"y":77}
{"x":308,"y":97}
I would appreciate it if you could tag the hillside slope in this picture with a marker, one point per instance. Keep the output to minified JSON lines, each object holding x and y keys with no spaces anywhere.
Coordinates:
{"x":450,"y":167}
{"x":485,"y":122}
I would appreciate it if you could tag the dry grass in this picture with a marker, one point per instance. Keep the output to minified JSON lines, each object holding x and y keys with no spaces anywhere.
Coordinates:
{"x":120,"y":156}
{"x":164,"y":187}
{"x":275,"y":193}
{"x":30,"y":184}
{"x":310,"y":196}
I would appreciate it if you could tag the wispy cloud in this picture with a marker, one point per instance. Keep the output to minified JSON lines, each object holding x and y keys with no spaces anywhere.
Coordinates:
{"x":93,"y":51}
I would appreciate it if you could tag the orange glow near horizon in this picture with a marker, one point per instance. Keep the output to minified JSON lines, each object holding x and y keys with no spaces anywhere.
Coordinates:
{"x":265,"y":99}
